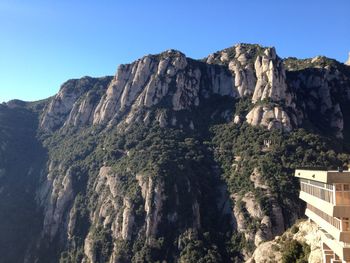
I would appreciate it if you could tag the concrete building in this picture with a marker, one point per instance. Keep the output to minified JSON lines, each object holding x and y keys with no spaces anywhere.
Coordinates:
{"x":327,"y":195}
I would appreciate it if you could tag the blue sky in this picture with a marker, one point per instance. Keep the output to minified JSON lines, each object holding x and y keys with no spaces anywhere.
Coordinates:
{"x":44,"y":42}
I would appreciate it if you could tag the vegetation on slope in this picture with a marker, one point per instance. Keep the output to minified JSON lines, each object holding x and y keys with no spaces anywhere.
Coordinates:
{"x":21,"y":161}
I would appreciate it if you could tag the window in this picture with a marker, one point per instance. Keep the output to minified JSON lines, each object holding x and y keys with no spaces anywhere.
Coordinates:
{"x":342,"y":194}
{"x":345,"y":224}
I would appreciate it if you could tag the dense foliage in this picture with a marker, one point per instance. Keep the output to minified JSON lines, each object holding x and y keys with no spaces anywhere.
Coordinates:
{"x":294,"y":251}
{"x":21,"y":160}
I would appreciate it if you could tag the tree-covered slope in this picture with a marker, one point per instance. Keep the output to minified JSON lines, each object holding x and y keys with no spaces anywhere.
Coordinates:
{"x":22,"y":160}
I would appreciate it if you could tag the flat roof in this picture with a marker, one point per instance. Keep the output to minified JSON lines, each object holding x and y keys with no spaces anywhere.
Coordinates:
{"x":328,"y":177}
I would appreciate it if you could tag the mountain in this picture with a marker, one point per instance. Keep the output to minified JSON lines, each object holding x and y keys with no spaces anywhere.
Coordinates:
{"x":170,"y":160}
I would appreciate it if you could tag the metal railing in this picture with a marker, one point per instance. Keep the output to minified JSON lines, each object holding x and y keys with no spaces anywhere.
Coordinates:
{"x":319,"y":192}
{"x":330,"y":219}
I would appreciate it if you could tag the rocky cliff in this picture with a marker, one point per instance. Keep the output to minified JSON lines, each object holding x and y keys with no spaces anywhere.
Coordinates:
{"x":260,"y":75}
{"x":302,"y":232}
{"x":174,"y":81}
{"x":175,"y":159}
{"x":168,"y":79}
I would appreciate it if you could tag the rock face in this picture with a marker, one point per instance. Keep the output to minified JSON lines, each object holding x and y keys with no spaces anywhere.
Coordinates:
{"x":180,"y":83}
{"x":60,"y":199}
{"x":260,"y":75}
{"x":271,"y":117}
{"x":271,"y":78}
{"x":169,"y":78}
{"x":74,"y":103}
{"x":250,"y":210}
{"x":243,"y":71}
{"x":322,"y":94}
{"x":122,"y":221}
{"x":151,"y":192}
{"x":271,"y":251}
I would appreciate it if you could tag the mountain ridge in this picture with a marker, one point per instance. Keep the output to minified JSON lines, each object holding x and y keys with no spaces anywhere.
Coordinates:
{"x":167,"y":160}
{"x":244,"y":75}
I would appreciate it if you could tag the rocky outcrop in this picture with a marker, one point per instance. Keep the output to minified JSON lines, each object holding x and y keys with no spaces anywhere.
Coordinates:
{"x":276,"y":220}
{"x":168,"y":78}
{"x":82,"y":112}
{"x":271,"y":78}
{"x":116,"y":211}
{"x":239,"y":60}
{"x":271,"y":86}
{"x":271,"y":117}
{"x":322,"y":94}
{"x":272,"y":251}
{"x":74,"y":103}
{"x":122,"y":220}
{"x":56,"y":195}
{"x":258,"y":72}
{"x":249,"y":214}
{"x":113,"y":212}
{"x":260,"y":75}
{"x":172,"y":80}
{"x":151,"y":192}
{"x":243,"y":71}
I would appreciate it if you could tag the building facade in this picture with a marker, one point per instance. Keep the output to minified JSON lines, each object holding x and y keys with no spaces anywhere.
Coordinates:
{"x":327,"y":197}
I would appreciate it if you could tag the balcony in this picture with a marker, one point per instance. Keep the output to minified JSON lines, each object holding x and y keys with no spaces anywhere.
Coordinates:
{"x":321,"y":192}
{"x":333,"y":198}
{"x":338,"y":229}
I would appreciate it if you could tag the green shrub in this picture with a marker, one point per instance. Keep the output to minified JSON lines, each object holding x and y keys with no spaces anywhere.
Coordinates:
{"x":294,"y":251}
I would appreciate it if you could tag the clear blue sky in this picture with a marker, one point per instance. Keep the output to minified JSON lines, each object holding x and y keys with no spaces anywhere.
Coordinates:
{"x":44,"y":42}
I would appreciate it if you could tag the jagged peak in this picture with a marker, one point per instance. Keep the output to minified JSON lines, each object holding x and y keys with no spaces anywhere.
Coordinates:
{"x":84,"y":83}
{"x":16,"y":104}
{"x":249,"y":51}
{"x":244,"y":46}
{"x":295,"y":64}
{"x":171,"y":53}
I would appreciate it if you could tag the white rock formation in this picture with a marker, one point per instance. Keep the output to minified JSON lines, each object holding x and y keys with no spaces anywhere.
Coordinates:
{"x":263,"y":80}
{"x":269,"y":225}
{"x":271,"y":117}
{"x":141,"y":84}
{"x":271,"y":251}
{"x":146,"y":82}
{"x":348,"y":61}
{"x":271,"y":78}
{"x":60,"y":106}
{"x":81,"y":113}
{"x":243,"y":72}
{"x":59,"y":199}
{"x":152,"y":191}
{"x":74,"y":104}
